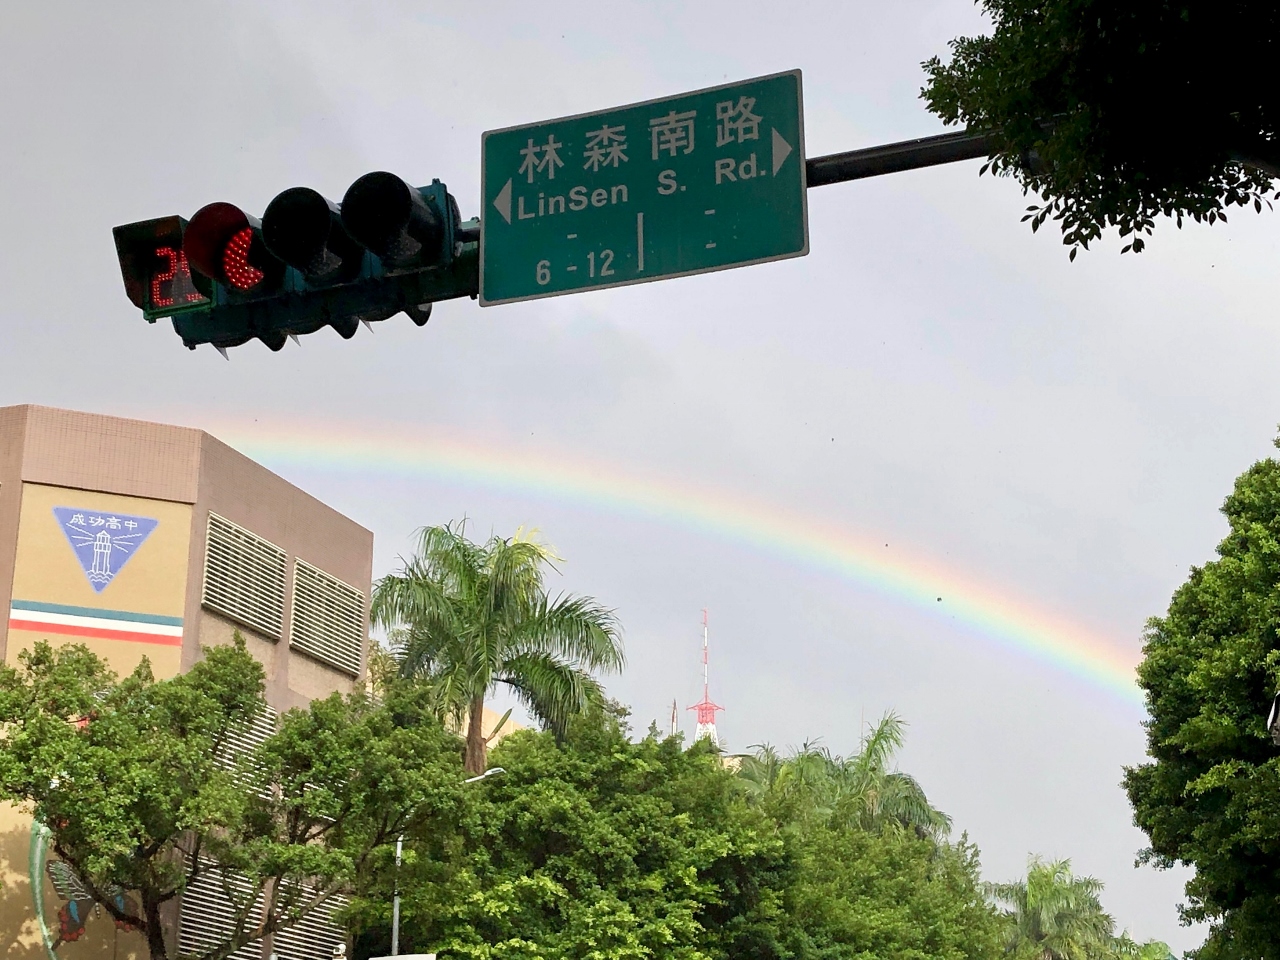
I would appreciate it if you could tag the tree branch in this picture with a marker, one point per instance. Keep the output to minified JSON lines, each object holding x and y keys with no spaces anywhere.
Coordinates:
{"x":108,"y":903}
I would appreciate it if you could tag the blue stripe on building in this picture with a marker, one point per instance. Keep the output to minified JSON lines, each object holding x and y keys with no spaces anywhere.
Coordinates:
{"x":71,"y":611}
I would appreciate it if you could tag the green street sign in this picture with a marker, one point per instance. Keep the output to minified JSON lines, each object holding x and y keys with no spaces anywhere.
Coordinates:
{"x":667,"y":188}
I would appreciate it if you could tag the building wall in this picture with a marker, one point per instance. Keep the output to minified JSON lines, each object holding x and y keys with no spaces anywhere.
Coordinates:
{"x":137,"y":613}
{"x":88,"y":451}
{"x":68,"y":478}
{"x":13,"y":431}
{"x":246,"y":493}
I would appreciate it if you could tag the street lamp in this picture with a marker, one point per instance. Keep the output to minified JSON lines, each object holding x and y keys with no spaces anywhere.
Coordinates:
{"x":395,"y":901}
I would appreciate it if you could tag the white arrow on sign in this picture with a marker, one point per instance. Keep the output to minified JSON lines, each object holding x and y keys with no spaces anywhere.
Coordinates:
{"x":503,"y":200}
{"x":781,"y":150}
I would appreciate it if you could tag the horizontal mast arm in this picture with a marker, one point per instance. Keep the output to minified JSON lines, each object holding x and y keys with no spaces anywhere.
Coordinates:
{"x":893,"y":157}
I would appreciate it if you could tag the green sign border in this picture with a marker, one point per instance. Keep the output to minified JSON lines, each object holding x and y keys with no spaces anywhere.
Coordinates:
{"x":804,"y":190}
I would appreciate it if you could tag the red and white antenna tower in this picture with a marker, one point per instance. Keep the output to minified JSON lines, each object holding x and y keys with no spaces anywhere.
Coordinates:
{"x":706,"y":709}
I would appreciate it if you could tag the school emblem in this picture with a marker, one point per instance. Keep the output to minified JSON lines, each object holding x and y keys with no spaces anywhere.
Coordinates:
{"x":103,"y":542}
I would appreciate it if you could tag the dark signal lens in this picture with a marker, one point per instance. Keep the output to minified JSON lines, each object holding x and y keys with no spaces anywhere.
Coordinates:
{"x":304,"y":230}
{"x":392,"y":219}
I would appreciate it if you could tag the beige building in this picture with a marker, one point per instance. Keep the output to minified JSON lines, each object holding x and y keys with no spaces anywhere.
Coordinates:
{"x":140,"y":539}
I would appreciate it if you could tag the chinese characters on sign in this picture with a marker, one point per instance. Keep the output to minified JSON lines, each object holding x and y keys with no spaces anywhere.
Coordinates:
{"x":698,"y":182}
{"x":543,"y":159}
{"x":605,"y":147}
{"x":103,"y":542}
{"x":672,"y":132}
{"x":736,"y":121}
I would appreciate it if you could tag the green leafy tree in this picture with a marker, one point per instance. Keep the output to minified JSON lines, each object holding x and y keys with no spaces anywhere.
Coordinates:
{"x":1115,"y":113}
{"x":861,"y":790}
{"x":891,"y":895}
{"x":1210,"y":797}
{"x":595,"y":846}
{"x":874,"y":875}
{"x":592,"y":846}
{"x":1054,"y":915}
{"x":145,"y":792}
{"x":465,"y":617}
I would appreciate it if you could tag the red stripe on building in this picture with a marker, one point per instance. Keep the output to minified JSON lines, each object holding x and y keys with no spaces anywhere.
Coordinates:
{"x":98,"y":633}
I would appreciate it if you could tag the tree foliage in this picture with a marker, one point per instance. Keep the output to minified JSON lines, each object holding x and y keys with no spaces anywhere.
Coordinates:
{"x":1115,"y":113}
{"x":874,"y":874}
{"x":892,"y":895}
{"x":465,"y":617}
{"x":595,"y":847}
{"x":858,"y":791}
{"x":1051,"y":914}
{"x":1054,"y":915}
{"x":146,"y":791}
{"x":1210,"y":797}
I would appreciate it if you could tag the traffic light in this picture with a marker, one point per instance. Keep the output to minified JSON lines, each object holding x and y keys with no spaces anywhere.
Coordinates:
{"x":224,"y":244}
{"x":225,"y":278}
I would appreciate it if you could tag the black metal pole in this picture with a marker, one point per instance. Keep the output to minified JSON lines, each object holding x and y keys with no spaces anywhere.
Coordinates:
{"x":892,"y":157}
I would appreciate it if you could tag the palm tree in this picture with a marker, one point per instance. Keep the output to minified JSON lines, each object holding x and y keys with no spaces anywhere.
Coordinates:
{"x":758,"y":771}
{"x":1053,"y":915}
{"x":464,"y":617}
{"x":860,"y":791}
{"x":873,"y":795}
{"x":1126,"y":948}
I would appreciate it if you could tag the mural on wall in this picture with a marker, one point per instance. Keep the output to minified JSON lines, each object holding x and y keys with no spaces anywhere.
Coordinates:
{"x":103,"y":542}
{"x":76,"y":907}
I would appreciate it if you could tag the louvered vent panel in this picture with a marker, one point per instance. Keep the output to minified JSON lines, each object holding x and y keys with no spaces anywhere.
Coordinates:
{"x":207,"y":917}
{"x":244,"y":577}
{"x":328,"y":618}
{"x":245,"y":741}
{"x":249,"y":739}
{"x":313,"y":937}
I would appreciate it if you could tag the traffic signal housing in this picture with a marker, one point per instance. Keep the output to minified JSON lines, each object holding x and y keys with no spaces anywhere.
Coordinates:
{"x":225,"y":278}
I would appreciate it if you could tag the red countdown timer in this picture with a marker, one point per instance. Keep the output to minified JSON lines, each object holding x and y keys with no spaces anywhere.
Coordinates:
{"x":171,"y":283}
{"x":157,"y":274}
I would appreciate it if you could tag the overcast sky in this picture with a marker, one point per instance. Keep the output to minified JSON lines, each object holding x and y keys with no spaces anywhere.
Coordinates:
{"x":932,"y":375}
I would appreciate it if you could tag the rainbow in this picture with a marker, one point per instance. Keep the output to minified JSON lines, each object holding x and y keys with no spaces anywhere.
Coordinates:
{"x":807,"y":541}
